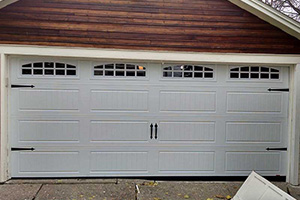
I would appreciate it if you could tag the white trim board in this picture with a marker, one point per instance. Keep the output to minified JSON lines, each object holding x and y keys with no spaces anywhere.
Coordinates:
{"x":269,"y":14}
{"x":155,"y":56}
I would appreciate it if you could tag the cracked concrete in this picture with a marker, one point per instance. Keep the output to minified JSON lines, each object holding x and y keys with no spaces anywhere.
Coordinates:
{"x":121,"y":189}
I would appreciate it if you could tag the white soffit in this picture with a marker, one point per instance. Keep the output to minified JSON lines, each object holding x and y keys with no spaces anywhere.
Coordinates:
{"x":269,"y":14}
{"x":4,"y":3}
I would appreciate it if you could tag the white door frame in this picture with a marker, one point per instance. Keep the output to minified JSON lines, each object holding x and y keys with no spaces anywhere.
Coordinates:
{"x":154,"y":56}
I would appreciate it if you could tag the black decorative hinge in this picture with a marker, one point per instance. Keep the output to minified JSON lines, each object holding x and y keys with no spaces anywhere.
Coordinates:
{"x":276,"y":149}
{"x":22,"y":149}
{"x":22,"y":86}
{"x":279,"y":90}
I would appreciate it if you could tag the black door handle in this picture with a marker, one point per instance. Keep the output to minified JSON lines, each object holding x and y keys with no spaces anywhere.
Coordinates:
{"x":151,"y":131}
{"x":156,"y":126}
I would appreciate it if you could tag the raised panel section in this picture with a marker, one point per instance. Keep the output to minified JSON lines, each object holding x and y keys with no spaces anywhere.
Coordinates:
{"x":102,"y":100}
{"x":118,"y":162}
{"x":49,"y":162}
{"x":252,"y":161}
{"x":106,"y":131}
{"x":186,"y":161}
{"x":49,"y":100}
{"x":253,"y":132}
{"x":254,"y":102}
{"x":187,"y":101}
{"x":187,"y":131}
{"x":48,"y":131}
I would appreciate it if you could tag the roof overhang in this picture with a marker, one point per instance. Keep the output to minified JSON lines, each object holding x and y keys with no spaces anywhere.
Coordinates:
{"x":269,"y":14}
{"x":4,"y":3}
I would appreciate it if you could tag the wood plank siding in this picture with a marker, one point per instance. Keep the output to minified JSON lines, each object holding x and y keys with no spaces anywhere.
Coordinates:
{"x":173,"y":25}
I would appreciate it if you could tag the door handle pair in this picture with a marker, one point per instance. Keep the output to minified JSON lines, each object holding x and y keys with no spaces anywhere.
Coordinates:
{"x":151,"y":131}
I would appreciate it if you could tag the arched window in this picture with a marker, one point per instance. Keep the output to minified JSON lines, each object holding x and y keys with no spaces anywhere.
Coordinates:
{"x":119,"y":70}
{"x":49,"y":69}
{"x":188,"y":71}
{"x":254,"y":72}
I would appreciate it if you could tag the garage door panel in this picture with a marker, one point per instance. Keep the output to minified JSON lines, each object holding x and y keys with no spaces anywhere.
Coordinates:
{"x":49,"y":100}
{"x":186,"y":161}
{"x":123,"y":100}
{"x":31,"y":163}
{"x":49,"y":131}
{"x":249,"y":161}
{"x":253,"y":132}
{"x":187,"y":101}
{"x":118,"y":162}
{"x":187,"y":131}
{"x":254,"y":102}
{"x":119,"y":131}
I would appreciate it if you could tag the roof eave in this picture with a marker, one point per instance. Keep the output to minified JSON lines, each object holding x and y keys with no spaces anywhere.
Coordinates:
{"x":269,"y":14}
{"x":4,"y":3}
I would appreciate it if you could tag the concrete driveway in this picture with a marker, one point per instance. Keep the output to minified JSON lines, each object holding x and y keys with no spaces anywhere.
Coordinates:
{"x":122,"y":189}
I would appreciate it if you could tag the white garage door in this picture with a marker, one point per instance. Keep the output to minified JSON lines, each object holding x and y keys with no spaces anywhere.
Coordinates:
{"x":92,"y":118}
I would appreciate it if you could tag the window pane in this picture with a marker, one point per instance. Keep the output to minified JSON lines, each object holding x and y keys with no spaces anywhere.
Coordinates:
{"x":49,"y":65}
{"x":168,"y":68}
{"x":167,"y":74}
{"x":109,"y":73}
{"x":208,"y":69}
{"x":188,"y":74}
{"x":208,"y":75}
{"x":26,"y":71}
{"x":141,"y":73}
{"x":59,"y":65}
{"x":140,"y":68}
{"x":98,"y":73}
{"x":27,"y":65}
{"x":188,"y":68}
{"x":198,"y":74}
{"x":38,"y":65}
{"x":177,"y":74}
{"x":264,"y":69}
{"x":245,"y":69}
{"x":198,"y":68}
{"x":120,"y":73}
{"x":130,"y":73}
{"x":38,"y":71}
{"x":99,"y":67}
{"x":71,"y":72}
{"x":254,"y":75}
{"x":274,"y":70}
{"x":254,"y":69}
{"x":49,"y":72}
{"x":244,"y":75}
{"x":120,"y":66}
{"x":274,"y":76}
{"x":235,"y":69}
{"x":234,"y":75}
{"x":71,"y":66}
{"x":129,"y":66}
{"x":178,"y":67}
{"x":109,"y":66}
{"x":264,"y":76}
{"x":60,"y":72}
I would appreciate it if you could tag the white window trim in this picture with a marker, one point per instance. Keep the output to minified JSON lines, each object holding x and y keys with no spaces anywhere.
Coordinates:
{"x":156,"y":57}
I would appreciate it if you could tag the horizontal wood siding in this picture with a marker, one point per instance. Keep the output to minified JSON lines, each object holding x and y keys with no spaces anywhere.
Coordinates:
{"x":176,"y":25}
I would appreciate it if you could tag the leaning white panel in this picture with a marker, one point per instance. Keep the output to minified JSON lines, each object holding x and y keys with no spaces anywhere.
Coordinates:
{"x":258,"y":188}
